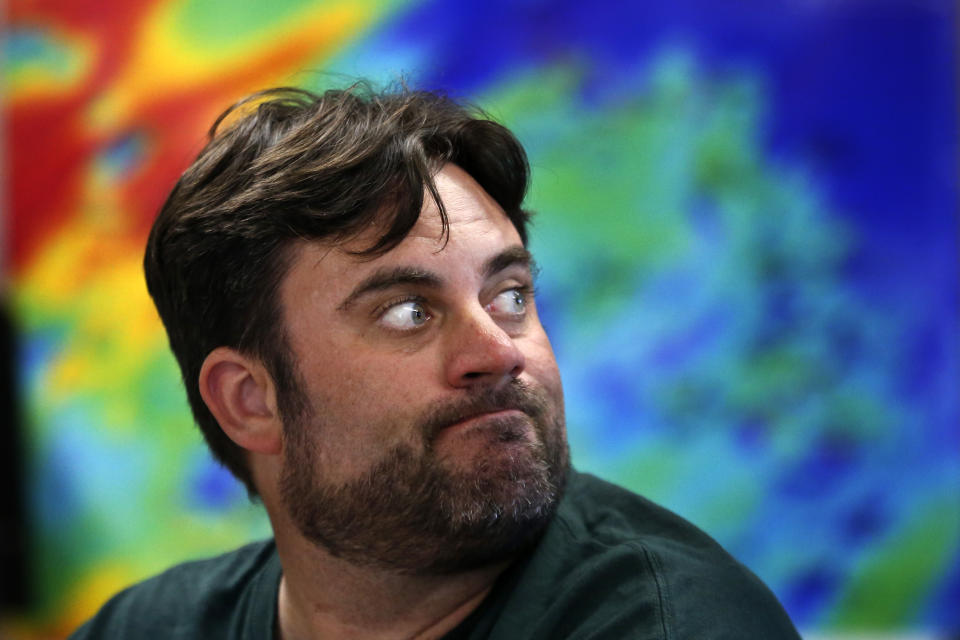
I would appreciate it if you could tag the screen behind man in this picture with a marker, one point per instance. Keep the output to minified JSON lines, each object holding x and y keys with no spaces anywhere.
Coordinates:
{"x":345,"y":283}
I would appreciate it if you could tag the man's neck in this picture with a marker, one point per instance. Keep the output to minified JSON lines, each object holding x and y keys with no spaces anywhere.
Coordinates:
{"x":325,"y":597}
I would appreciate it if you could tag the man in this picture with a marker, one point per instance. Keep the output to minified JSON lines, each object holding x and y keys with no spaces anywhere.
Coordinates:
{"x":345,"y":284}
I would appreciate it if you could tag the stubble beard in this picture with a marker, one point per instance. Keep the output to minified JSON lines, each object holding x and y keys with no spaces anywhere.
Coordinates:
{"x":413,"y":513}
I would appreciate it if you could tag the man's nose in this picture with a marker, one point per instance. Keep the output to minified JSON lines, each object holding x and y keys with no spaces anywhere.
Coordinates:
{"x":480,"y":352}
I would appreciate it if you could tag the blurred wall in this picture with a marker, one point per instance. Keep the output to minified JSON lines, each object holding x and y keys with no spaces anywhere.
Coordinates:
{"x":747,"y":223}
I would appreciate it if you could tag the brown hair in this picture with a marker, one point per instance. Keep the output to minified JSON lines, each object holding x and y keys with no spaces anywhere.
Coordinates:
{"x":292,"y":165}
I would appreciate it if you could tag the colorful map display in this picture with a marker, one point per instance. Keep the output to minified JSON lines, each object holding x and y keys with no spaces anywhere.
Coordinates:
{"x":747,"y":228}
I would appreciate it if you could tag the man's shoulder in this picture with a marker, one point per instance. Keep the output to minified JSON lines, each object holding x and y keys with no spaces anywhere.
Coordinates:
{"x":602,"y":514}
{"x":620,"y":566}
{"x":206,"y":598}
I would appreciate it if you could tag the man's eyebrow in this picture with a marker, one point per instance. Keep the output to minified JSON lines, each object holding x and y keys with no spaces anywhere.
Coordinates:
{"x":508,"y":258}
{"x":387,"y":277}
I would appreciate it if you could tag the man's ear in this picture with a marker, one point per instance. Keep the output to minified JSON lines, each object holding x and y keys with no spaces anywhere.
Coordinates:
{"x":241,"y":396}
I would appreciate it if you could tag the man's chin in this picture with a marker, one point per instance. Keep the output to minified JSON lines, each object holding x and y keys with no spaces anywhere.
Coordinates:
{"x":510,"y":519}
{"x":500,"y":507}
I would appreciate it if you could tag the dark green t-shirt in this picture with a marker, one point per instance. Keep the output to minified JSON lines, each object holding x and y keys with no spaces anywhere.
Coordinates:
{"x":611,"y":565}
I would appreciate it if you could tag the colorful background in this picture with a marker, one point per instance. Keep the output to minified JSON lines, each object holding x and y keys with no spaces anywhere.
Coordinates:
{"x":747,"y":227}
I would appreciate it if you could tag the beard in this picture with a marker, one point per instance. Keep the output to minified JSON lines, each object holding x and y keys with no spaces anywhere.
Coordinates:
{"x":413,"y":514}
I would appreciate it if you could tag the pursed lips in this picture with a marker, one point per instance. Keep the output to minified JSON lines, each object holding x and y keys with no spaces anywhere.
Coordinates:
{"x":474,"y":419}
{"x":514,"y":408}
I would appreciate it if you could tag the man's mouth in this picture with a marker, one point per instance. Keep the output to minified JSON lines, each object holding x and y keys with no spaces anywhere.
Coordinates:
{"x":486,"y":429}
{"x":510,"y":409}
{"x":478,"y":419}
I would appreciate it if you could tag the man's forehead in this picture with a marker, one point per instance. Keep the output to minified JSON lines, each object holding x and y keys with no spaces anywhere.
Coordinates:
{"x":354,"y":252}
{"x":428,"y":239}
{"x":421,"y":250}
{"x":476,"y":227}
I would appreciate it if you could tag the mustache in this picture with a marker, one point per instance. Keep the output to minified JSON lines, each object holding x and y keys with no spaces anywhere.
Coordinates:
{"x":514,"y":395}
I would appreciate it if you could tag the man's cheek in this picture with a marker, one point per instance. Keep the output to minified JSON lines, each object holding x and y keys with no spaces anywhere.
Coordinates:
{"x":542,"y":366}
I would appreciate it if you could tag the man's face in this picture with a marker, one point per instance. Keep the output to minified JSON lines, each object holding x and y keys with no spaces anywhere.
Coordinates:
{"x":433,"y":438}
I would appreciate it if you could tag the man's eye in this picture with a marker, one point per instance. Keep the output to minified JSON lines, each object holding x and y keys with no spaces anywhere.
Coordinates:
{"x":404,"y":316}
{"x":510,"y":302}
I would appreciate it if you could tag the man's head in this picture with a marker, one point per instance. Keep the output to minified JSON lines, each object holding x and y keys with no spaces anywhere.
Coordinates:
{"x":351,"y":267}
